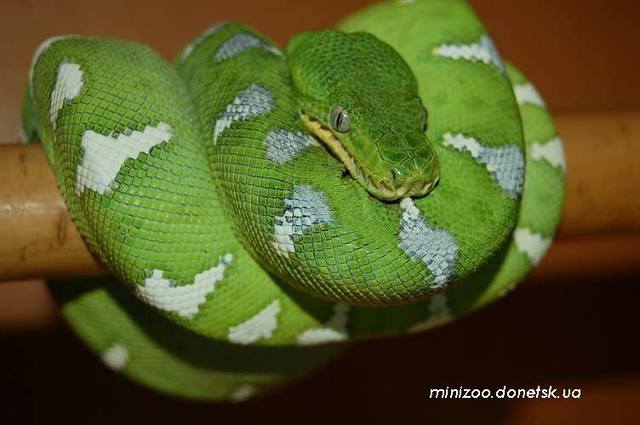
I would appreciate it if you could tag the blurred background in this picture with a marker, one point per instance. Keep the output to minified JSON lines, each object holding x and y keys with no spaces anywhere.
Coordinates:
{"x":572,"y":324}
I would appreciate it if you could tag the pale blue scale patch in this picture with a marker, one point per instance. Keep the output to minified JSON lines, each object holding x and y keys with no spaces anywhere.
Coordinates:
{"x":241,"y":42}
{"x":436,"y":248}
{"x":505,"y":163}
{"x":283,"y":145}
{"x":186,"y":52}
{"x":254,"y":101}
{"x":305,"y":208}
{"x":496,"y":59}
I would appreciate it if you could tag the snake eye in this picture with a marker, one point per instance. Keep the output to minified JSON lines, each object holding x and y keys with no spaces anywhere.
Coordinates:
{"x":425,"y":118}
{"x":340,"y":120}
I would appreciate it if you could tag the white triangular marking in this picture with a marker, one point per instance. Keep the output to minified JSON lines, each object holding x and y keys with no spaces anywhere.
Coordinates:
{"x":67,"y":86}
{"x":262,"y":325}
{"x":184,"y":300}
{"x":334,"y":330}
{"x":481,"y":51}
{"x":527,"y":93}
{"x":533,"y":245}
{"x":551,"y":151}
{"x":104,"y":155}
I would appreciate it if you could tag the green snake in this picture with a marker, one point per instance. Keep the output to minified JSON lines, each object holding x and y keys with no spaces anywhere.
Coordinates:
{"x":260,"y":207}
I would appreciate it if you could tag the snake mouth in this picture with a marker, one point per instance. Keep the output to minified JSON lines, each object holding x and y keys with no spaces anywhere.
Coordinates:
{"x":375,"y":185}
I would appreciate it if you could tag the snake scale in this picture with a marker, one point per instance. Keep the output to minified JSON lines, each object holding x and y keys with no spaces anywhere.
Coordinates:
{"x":260,"y":206}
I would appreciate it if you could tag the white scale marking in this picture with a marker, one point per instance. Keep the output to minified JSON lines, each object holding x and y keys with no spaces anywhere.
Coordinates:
{"x":68,"y":84}
{"x":284,"y":145}
{"x":504,"y":163}
{"x":334,"y":330}
{"x":527,"y":93}
{"x":104,"y":155}
{"x":483,"y":51}
{"x":262,"y":325}
{"x":550,"y":151}
{"x":254,"y":101}
{"x":435,"y":247}
{"x":186,"y":52}
{"x":304,"y":209}
{"x":184,"y":300}
{"x":239,"y":43}
{"x":532,"y":244}
{"x":243,"y":392}
{"x":116,"y":356}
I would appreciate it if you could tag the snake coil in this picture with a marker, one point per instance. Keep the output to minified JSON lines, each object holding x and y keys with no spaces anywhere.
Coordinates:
{"x":260,"y":206}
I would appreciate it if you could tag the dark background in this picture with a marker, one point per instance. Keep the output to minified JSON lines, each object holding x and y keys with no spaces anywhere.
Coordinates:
{"x":571,"y":330}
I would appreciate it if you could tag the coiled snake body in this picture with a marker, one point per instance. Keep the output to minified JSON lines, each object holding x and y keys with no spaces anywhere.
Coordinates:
{"x":268,"y":204}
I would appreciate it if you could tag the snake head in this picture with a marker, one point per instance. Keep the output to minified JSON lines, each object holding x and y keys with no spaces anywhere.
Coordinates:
{"x":360,"y":98}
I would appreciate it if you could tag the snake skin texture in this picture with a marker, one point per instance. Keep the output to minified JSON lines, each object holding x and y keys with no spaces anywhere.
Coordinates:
{"x":242,"y":250}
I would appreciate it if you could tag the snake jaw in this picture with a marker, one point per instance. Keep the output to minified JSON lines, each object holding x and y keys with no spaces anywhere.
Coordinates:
{"x":334,"y":145}
{"x":376,"y":186}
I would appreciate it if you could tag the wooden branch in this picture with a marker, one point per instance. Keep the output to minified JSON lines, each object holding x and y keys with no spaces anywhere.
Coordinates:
{"x":602,"y":150}
{"x":39,"y":239}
